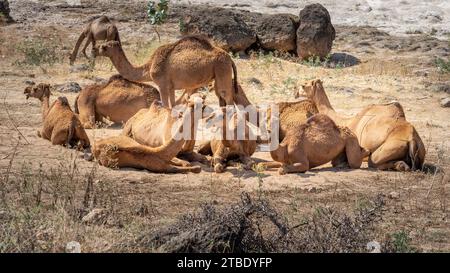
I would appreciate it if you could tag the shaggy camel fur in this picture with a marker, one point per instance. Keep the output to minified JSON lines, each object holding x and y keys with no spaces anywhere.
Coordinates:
{"x":153,"y":127}
{"x":118,"y":100}
{"x":292,"y":114}
{"x":96,"y":30}
{"x":122,"y":151}
{"x":315,"y":143}
{"x":381,"y":129}
{"x":224,"y":150}
{"x":190,"y":63}
{"x":60,"y":125}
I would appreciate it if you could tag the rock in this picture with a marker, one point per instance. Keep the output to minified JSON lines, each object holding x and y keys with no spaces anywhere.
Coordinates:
{"x":373,"y":247}
{"x":445,"y":102}
{"x":394,"y":195}
{"x":95,"y":216}
{"x":5,"y":17}
{"x":441,"y":87}
{"x":29,"y":82}
{"x":79,"y":68}
{"x":73,"y":247}
{"x":315,"y":34}
{"x":224,"y":26}
{"x":274,"y":31}
{"x":70,"y":87}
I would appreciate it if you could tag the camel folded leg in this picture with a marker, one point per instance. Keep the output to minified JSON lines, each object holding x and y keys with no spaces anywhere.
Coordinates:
{"x":270,"y":165}
{"x":193,"y":157}
{"x":389,"y":156}
{"x":176,"y":169}
{"x":180,"y":162}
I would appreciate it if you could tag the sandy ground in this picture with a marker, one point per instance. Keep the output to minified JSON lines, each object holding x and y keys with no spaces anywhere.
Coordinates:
{"x":391,"y":68}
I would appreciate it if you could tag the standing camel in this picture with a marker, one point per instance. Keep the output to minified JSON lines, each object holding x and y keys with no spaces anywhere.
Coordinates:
{"x":190,"y":63}
{"x":381,"y":129}
{"x":96,"y":30}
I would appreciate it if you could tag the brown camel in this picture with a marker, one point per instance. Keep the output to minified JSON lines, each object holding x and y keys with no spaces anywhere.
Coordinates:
{"x":122,"y":151}
{"x":226,"y":151}
{"x":381,"y":129}
{"x":315,"y":143}
{"x":190,"y":63}
{"x":96,"y":30}
{"x":118,"y":100}
{"x":60,"y":125}
{"x":153,"y":127}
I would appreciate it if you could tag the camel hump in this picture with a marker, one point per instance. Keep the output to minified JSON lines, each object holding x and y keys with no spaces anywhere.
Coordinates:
{"x":63,"y":101}
{"x":196,"y":38}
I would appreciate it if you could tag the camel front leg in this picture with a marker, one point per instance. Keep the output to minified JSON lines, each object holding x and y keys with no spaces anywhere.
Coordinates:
{"x":194,"y":157}
{"x":179,"y":162}
{"x":176,"y":169}
{"x":247,"y":161}
{"x":294,"y":168}
{"x":88,"y":41}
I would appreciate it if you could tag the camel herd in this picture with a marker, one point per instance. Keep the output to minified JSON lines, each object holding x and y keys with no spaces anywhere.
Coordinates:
{"x":311,"y":133}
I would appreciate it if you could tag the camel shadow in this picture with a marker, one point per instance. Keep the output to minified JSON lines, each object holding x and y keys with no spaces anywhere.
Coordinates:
{"x":342,"y":60}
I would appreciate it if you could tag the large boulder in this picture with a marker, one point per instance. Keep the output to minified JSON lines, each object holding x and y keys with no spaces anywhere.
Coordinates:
{"x":224,"y":26}
{"x":4,"y":12}
{"x":274,"y":31}
{"x":315,"y":34}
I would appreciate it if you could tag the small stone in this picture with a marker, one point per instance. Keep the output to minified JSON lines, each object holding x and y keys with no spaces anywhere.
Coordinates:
{"x":394,"y":195}
{"x":445,"y":102}
{"x":73,"y":247}
{"x":29,"y":82}
{"x":373,"y":247}
{"x":79,"y":68}
{"x":70,"y":87}
{"x":95,"y":216}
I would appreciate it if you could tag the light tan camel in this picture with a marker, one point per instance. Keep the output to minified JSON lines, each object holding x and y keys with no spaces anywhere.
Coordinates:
{"x":122,"y":151}
{"x":190,"y":63}
{"x":228,"y":151}
{"x":59,"y":124}
{"x":118,"y":100}
{"x":381,"y":129}
{"x":153,"y":127}
{"x":96,"y":30}
{"x":315,"y":143}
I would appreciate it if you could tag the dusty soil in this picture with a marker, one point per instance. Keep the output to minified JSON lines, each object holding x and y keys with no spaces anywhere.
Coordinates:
{"x":390,"y":68}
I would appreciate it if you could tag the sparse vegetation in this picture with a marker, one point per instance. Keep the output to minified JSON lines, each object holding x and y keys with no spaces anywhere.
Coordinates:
{"x":37,"y":52}
{"x":443,"y":65}
{"x":157,"y":14}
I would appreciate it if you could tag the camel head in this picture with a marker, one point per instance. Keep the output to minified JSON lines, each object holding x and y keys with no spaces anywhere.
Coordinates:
{"x":107,"y":49}
{"x":310,"y":88}
{"x":38,"y":91}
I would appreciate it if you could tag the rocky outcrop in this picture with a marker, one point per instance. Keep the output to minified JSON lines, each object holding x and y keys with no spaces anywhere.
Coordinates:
{"x":315,"y":34}
{"x":274,"y":31}
{"x":225,"y":27}
{"x":4,"y":12}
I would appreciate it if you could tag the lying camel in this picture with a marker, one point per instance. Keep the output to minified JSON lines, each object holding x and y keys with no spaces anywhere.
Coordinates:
{"x":381,"y":129}
{"x":60,"y":125}
{"x":122,"y":151}
{"x":118,"y":100}
{"x":190,"y":63}
{"x":153,"y":127}
{"x":315,"y":143}
{"x":224,"y":150}
{"x":292,"y":114}
{"x":96,"y":30}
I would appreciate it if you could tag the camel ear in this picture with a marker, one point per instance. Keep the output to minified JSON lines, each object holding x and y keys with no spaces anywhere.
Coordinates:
{"x":318,"y":81}
{"x":303,"y":86}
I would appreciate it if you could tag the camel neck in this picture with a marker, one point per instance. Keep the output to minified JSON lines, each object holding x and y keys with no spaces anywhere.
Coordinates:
{"x":324,"y":106}
{"x":45,"y":106}
{"x":127,"y":69}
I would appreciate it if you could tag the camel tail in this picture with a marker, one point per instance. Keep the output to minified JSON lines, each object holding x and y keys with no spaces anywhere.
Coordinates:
{"x":235,"y":77}
{"x":416,"y":152}
{"x":75,"y":105}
